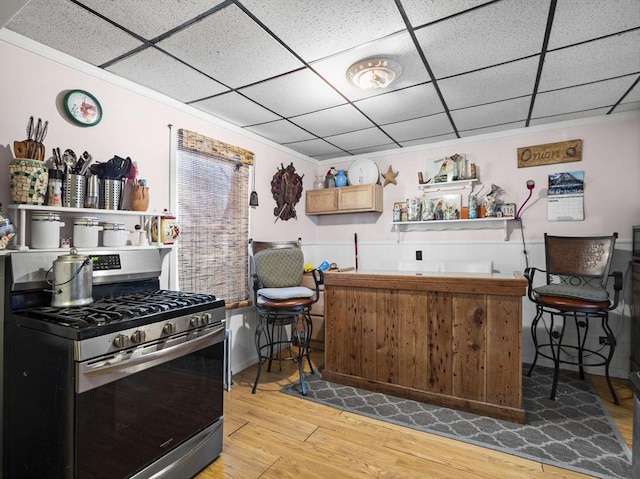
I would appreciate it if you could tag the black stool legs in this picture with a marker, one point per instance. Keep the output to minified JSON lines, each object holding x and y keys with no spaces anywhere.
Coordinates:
{"x":559,"y":352}
{"x":272,"y":340}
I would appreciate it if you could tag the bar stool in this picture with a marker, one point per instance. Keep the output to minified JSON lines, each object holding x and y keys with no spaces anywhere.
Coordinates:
{"x":577,"y":273}
{"x":283,"y":307}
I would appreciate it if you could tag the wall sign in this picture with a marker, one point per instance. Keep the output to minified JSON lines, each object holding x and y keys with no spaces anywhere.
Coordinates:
{"x":563,"y":152}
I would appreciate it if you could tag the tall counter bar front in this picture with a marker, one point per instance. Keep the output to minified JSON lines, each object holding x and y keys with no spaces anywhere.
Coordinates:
{"x":453,"y":340}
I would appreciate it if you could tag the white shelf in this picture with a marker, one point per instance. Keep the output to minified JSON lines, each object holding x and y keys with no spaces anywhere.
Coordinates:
{"x":440,"y":225}
{"x":449,"y":185}
{"x":22,"y":210}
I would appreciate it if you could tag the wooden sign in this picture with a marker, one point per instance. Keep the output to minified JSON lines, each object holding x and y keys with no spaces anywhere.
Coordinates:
{"x":563,"y":152}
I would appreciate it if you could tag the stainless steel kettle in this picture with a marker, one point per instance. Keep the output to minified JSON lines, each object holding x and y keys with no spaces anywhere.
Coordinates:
{"x":72,"y":280}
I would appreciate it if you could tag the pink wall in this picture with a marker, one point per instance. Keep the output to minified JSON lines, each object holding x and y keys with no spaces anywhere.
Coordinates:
{"x":135,"y":124}
{"x":610,"y":161}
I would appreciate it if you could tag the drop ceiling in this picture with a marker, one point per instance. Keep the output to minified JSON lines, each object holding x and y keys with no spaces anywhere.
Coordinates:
{"x":277,"y":67}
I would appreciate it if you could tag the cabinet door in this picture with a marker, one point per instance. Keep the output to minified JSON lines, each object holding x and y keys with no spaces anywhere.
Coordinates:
{"x":635,"y":318}
{"x":321,"y":201}
{"x":360,"y":198}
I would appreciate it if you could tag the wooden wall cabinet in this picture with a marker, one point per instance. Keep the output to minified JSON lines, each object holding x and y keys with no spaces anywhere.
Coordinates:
{"x":635,"y":317}
{"x":346,"y":199}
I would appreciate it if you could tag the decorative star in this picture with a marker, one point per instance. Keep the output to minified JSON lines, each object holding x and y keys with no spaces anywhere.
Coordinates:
{"x":389,"y":176}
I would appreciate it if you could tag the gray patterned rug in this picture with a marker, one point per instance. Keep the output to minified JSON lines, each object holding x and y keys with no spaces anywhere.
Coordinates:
{"x":573,"y":432}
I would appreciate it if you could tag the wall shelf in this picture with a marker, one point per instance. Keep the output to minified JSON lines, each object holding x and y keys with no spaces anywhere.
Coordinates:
{"x":440,"y":225}
{"x":21,"y":219}
{"x":449,"y":185}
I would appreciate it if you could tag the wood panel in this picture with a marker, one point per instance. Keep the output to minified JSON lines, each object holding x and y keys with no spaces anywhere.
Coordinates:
{"x":421,"y":338}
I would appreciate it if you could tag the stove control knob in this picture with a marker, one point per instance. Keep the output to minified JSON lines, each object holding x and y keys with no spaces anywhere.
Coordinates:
{"x":167,"y":328}
{"x":205,"y":318}
{"x":137,"y":337}
{"x":120,"y":341}
{"x":194,"y":321}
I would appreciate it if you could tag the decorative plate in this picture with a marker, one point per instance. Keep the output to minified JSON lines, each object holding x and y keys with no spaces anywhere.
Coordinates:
{"x":82,"y":108}
{"x":363,"y":172}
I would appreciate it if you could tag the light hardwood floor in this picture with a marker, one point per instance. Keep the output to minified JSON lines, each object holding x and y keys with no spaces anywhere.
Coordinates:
{"x":270,"y":435}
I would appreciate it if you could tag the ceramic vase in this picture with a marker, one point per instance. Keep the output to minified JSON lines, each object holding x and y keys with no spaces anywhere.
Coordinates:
{"x":341,"y":179}
{"x":139,"y":198}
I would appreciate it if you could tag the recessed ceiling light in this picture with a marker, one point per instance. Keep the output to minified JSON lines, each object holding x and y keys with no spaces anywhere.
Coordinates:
{"x":373,"y":73}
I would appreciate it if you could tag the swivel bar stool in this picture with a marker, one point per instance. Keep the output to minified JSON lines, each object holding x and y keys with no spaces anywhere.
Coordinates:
{"x":284,"y":325}
{"x":576,"y":277}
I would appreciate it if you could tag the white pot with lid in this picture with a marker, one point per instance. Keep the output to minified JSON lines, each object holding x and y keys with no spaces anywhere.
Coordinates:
{"x":85,"y":232}
{"x":114,"y":234}
{"x":45,"y":230}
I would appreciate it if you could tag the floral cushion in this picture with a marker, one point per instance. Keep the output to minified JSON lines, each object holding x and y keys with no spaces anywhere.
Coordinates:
{"x":588,"y":293}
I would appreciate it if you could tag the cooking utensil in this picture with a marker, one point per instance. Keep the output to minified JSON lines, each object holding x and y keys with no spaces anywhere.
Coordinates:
{"x":88,"y":159}
{"x":69,"y":158}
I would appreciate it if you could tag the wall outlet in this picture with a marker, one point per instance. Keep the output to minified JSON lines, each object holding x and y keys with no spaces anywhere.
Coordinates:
{"x":418,"y":255}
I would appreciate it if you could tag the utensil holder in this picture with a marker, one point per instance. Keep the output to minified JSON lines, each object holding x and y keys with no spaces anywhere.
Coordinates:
{"x":29,"y":180}
{"x":111,"y":194}
{"x":73,"y":190}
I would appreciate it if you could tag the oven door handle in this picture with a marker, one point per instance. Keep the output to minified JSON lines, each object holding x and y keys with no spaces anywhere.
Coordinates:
{"x":92,"y":376}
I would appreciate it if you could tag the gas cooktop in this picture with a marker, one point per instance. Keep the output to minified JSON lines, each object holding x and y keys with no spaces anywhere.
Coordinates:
{"x":109,"y":314}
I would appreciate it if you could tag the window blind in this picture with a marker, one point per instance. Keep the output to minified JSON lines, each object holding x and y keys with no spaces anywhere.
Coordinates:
{"x":213,"y":211}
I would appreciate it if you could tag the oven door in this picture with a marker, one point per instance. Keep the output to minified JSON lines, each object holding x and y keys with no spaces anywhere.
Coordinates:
{"x":133,"y":410}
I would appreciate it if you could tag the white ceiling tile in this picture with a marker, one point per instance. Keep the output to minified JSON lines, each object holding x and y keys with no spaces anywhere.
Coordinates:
{"x":398,"y":47}
{"x":492,"y":129}
{"x":414,"y":102}
{"x":319,"y":29}
{"x":314,"y":148}
{"x":359,"y":139}
{"x":236,"y":109}
{"x":632,"y":106}
{"x":431,"y":139}
{"x":492,"y":114}
{"x":333,"y":121}
{"x":280,"y":132}
{"x":419,"y":128}
{"x":591,"y":61}
{"x":585,"y":97}
{"x":491,"y":84}
{"x":294,"y":94}
{"x":575,"y":21}
{"x":231,"y":48}
{"x":420,"y":12}
{"x":497,"y":33}
{"x":633,"y":95}
{"x":568,"y":116}
{"x":150,"y":18}
{"x":68,"y":28}
{"x":160,"y":72}
{"x":373,"y":149}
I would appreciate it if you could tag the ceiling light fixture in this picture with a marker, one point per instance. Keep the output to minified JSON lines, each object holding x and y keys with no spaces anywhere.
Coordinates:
{"x":373,"y":73}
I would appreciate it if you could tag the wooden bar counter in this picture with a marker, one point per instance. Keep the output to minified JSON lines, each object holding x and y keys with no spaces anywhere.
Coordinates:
{"x":446,"y":339}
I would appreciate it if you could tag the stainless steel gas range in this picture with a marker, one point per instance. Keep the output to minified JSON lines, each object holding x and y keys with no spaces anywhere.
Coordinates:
{"x":129,"y":386}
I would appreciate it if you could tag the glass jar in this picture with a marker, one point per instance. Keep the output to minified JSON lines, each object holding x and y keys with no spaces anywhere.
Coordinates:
{"x":54,"y":188}
{"x":319,"y":183}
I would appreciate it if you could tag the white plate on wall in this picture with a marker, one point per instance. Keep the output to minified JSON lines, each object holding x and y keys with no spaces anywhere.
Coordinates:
{"x":363,"y":172}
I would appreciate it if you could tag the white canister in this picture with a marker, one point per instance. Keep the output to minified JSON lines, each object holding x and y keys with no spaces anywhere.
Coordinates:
{"x":85,"y":232}
{"x":114,"y":234}
{"x":45,"y":230}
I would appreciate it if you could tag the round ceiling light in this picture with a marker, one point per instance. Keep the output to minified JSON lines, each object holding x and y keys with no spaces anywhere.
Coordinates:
{"x":373,"y":73}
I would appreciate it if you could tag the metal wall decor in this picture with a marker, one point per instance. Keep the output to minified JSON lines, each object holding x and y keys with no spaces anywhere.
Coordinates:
{"x":286,"y":187}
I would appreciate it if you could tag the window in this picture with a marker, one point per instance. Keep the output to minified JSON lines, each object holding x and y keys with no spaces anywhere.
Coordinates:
{"x":213,"y":209}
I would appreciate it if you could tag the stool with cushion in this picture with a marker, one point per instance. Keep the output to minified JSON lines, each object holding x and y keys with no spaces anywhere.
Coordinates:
{"x":284,"y":324}
{"x":575,"y":290}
